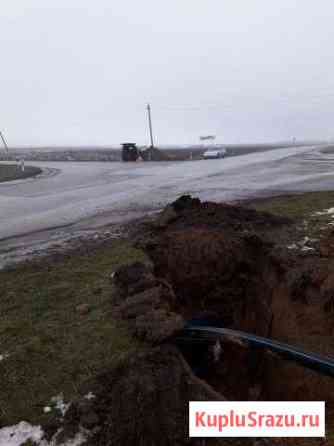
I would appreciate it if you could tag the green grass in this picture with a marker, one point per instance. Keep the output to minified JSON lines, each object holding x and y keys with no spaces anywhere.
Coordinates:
{"x":13,"y":172}
{"x":301,"y":208}
{"x":52,"y":348}
{"x":296,"y":206}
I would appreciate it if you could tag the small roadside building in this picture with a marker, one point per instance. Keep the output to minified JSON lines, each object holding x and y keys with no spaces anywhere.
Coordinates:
{"x":130,"y":152}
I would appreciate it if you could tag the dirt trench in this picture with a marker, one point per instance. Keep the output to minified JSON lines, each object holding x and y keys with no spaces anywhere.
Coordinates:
{"x":218,"y":262}
{"x":222,"y":259}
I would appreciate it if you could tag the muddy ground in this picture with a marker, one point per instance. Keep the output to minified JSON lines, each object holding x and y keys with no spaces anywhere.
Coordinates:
{"x":233,"y":261}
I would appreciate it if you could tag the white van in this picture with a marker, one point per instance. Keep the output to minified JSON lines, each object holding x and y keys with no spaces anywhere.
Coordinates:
{"x":214,"y":153}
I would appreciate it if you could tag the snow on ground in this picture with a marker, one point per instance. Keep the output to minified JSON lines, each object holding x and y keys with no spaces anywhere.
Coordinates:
{"x":329,"y":211}
{"x":18,"y":434}
{"x":304,"y":245}
{"x":292,"y":246}
{"x":59,"y":404}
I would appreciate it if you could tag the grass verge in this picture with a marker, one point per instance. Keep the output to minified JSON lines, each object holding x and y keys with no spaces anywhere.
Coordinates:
{"x":13,"y":172}
{"x":296,"y":206}
{"x":308,"y":210}
{"x":52,"y":348}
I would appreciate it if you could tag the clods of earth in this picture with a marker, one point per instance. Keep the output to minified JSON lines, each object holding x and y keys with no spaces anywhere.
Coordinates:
{"x":225,"y":263}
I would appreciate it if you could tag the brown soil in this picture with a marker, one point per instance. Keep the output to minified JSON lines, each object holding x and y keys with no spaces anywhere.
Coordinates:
{"x":220,"y":260}
{"x":144,"y":401}
{"x":155,"y":386}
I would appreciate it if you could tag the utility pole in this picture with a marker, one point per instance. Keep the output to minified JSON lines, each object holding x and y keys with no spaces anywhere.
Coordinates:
{"x":150,"y":124}
{"x":4,"y":141}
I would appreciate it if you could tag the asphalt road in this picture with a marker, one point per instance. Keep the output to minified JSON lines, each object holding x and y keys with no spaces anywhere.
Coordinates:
{"x":89,"y":194}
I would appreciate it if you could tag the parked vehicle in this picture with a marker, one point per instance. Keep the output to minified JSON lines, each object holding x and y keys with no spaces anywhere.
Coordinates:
{"x":214,"y":153}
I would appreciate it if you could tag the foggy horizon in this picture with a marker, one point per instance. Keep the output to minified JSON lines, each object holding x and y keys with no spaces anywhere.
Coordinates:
{"x":80,"y":73}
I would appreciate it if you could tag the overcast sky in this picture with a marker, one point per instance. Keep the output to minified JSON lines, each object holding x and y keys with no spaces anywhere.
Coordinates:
{"x":81,"y":72}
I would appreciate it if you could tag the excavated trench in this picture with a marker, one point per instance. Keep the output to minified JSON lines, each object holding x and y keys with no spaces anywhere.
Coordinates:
{"x":222,"y":259}
{"x":219,"y":263}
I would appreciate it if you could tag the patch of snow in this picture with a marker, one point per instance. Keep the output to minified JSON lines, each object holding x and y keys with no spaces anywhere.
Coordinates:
{"x":4,"y":356}
{"x":316,"y":214}
{"x":217,"y":351}
{"x":47,"y":409}
{"x":329,"y":211}
{"x":306,"y":242}
{"x":307,"y":248}
{"x":303,"y":245}
{"x":59,"y":404}
{"x":19,"y":434}
{"x":89,"y":396}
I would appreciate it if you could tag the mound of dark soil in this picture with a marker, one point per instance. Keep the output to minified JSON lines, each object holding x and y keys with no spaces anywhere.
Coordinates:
{"x":146,"y":303}
{"x":143,"y":401}
{"x":192,"y":212}
{"x":217,"y":258}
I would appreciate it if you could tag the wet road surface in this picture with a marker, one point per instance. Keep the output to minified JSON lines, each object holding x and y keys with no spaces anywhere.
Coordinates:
{"x":82,"y":196}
